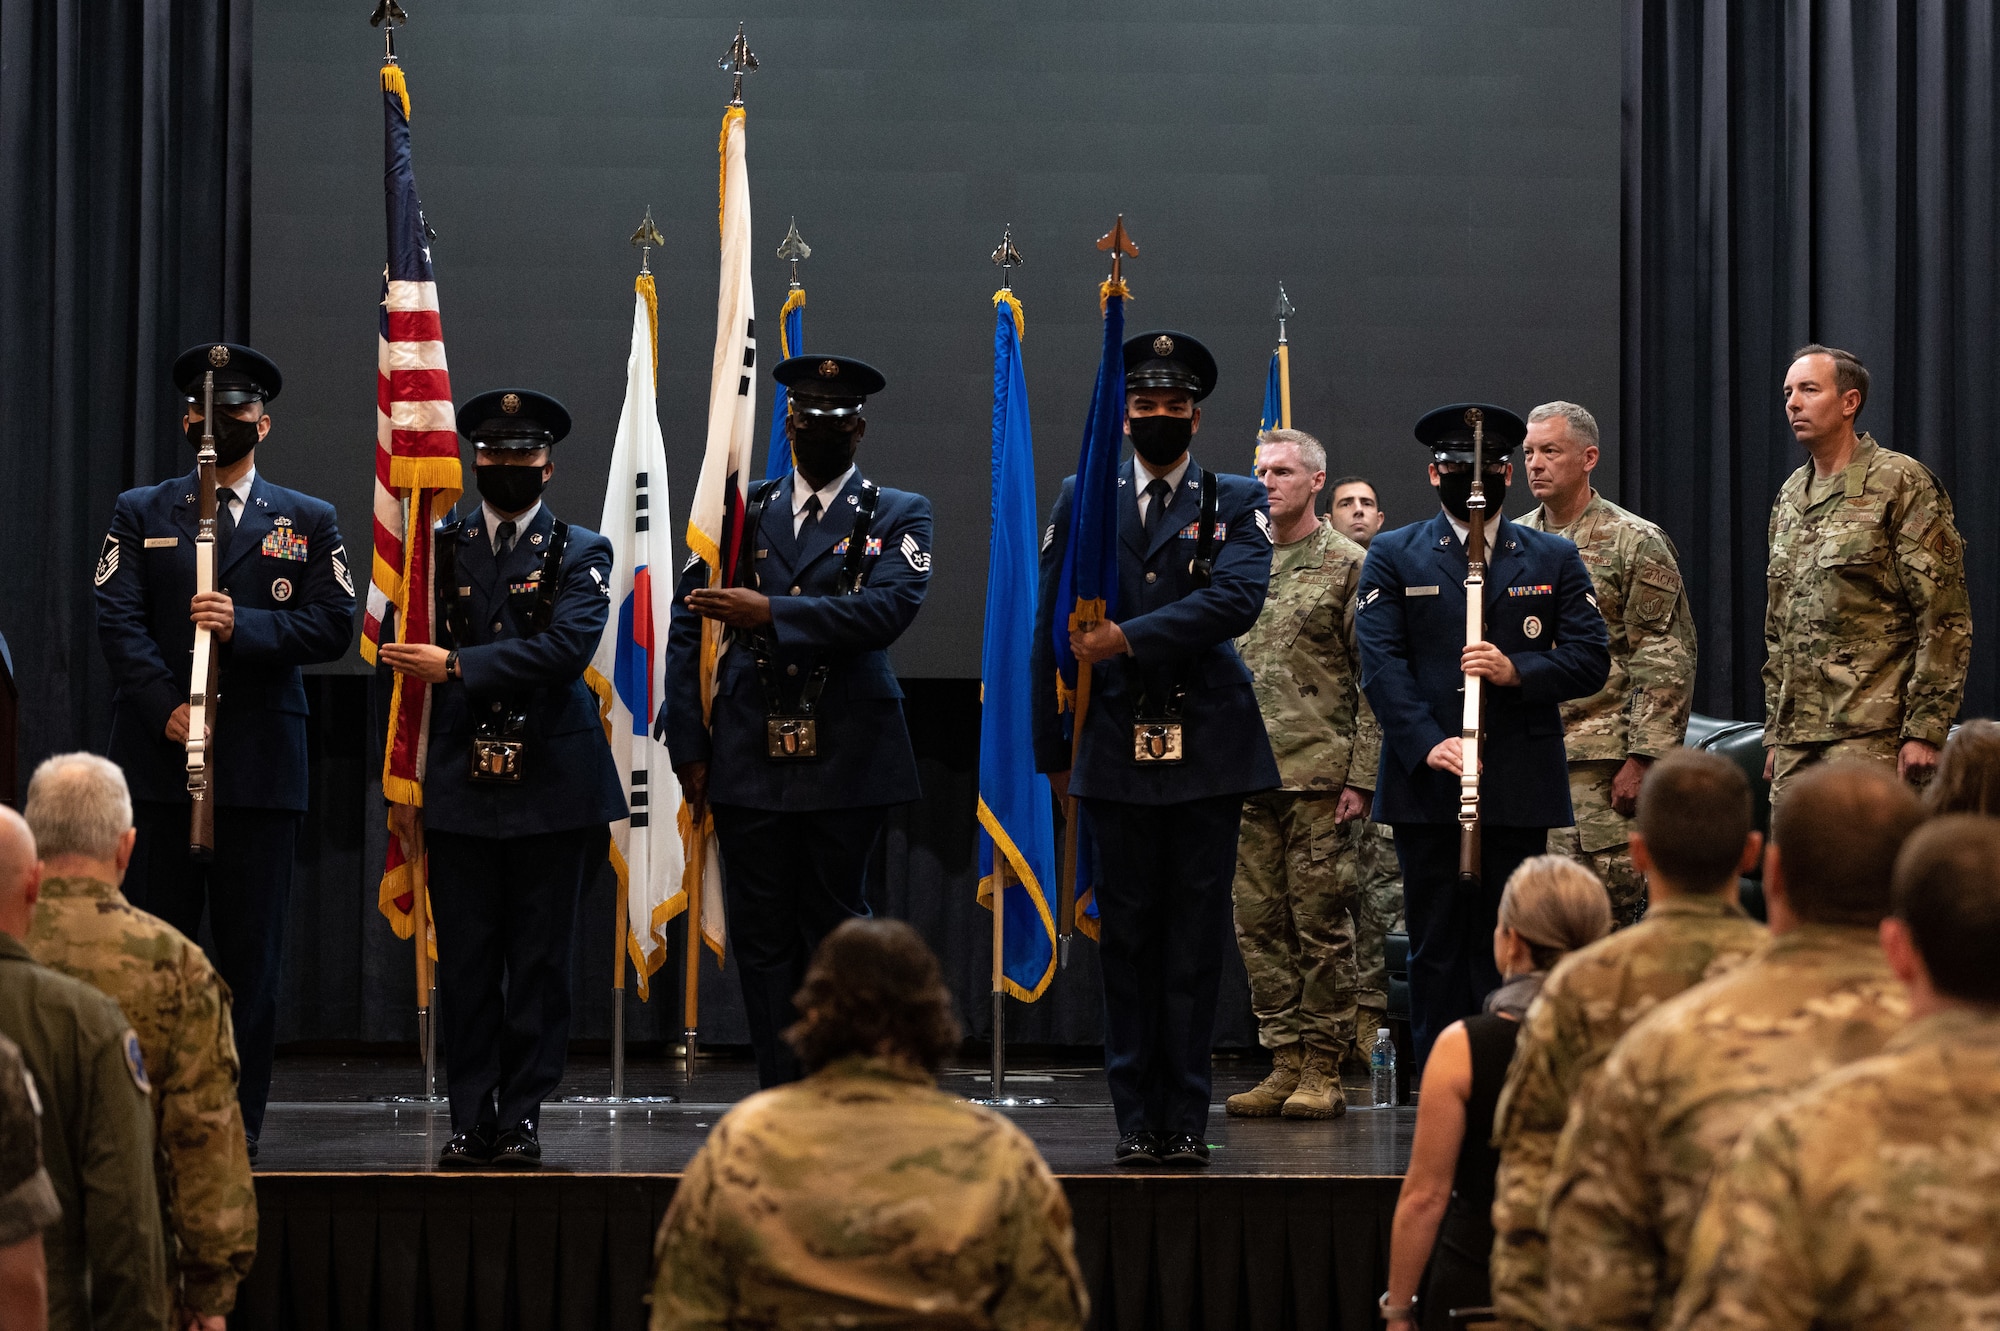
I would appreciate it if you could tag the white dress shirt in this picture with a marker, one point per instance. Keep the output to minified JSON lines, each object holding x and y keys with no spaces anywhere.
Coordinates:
{"x":1142,"y":477}
{"x":1464,"y":530}
{"x":494,"y":518}
{"x":802,"y":490}
{"x":234,"y":497}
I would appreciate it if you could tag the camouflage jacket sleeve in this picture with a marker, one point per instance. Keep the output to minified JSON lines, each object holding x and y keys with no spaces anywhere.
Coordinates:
{"x":1659,"y":629}
{"x":1042,"y":1288}
{"x":1749,"y":1260}
{"x":1526,"y":1126}
{"x":1365,"y":757}
{"x":211,"y":1199}
{"x":1773,"y":672}
{"x":1931,"y":558}
{"x":27,"y":1196}
{"x":1604,"y":1250}
{"x":691,"y":1268}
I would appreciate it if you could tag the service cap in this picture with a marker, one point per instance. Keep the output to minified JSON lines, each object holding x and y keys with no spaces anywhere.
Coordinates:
{"x":829,"y":385}
{"x":242,"y":374}
{"x":1448,"y":435}
{"x":1167,"y":359}
{"x":513,"y":418}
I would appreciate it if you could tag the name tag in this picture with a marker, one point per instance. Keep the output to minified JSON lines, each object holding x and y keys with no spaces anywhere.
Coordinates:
{"x":1421,"y":591}
{"x":162,"y":542}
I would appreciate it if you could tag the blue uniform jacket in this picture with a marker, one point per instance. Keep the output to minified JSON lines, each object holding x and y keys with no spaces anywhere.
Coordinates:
{"x":1170,"y":625}
{"x":864,"y":744}
{"x":568,"y":779}
{"x":286,"y":571}
{"x":1411,"y":626}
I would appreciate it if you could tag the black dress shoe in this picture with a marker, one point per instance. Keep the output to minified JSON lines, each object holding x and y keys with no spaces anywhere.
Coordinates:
{"x":467,"y":1150}
{"x":1137,"y":1148}
{"x":518,"y":1147}
{"x":1184,"y":1150}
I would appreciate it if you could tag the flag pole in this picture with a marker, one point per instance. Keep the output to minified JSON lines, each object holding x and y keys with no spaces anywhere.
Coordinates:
{"x":1083,"y":617}
{"x":645,"y":239}
{"x":1281,"y":312}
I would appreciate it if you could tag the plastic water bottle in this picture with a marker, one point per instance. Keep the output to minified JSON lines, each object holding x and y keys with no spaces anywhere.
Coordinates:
{"x":1382,"y":1070}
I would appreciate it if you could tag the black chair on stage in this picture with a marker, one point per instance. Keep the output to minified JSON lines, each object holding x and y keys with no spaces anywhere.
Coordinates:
{"x":1742,"y":742}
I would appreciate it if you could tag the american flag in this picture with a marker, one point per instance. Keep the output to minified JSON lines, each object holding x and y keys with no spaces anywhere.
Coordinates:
{"x":417,"y":476}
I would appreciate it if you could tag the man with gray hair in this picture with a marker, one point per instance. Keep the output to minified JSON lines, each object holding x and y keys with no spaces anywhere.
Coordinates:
{"x":80,"y":812}
{"x":105,"y":1260}
{"x":1295,"y":911}
{"x":1641,"y":713}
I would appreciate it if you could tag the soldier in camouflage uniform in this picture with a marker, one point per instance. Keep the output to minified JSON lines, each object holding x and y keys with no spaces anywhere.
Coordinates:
{"x":1677,"y":1091}
{"x":106,"y":1265}
{"x":1641,"y":712}
{"x":81,"y":814}
{"x":1867,"y":630}
{"x":1369,"y":874}
{"x":1696,"y":808}
{"x":1295,"y":916}
{"x":863,"y":1195}
{"x":27,"y":1197}
{"x":1868,"y":1199}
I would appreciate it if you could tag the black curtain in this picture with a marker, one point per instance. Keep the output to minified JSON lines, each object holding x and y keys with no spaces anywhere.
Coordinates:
{"x":1798,"y":171}
{"x":124,"y":235}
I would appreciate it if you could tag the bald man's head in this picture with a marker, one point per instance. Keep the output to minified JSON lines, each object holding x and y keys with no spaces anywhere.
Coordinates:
{"x":20,"y":874}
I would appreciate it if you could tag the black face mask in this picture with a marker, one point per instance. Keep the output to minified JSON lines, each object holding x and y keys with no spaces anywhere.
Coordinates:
{"x":233,"y":438}
{"x":1160,"y":439}
{"x":821,"y":449}
{"x":508,"y":489}
{"x":1455,"y":491}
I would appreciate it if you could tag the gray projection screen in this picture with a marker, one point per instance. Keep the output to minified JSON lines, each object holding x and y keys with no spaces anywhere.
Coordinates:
{"x":1436,"y":184}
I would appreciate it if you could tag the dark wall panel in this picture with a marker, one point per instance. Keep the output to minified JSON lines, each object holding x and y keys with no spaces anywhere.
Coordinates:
{"x":1437,"y":184}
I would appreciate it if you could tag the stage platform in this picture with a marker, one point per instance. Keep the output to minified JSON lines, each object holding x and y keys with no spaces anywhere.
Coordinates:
{"x":1288,"y":1228}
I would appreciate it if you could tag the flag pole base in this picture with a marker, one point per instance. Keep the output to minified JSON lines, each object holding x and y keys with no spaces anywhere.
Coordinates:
{"x":998,"y":1098}
{"x":614,"y":1101}
{"x":426,"y":1041}
{"x":618,"y":1096}
{"x":687,"y":1052}
{"x":1062,"y":952}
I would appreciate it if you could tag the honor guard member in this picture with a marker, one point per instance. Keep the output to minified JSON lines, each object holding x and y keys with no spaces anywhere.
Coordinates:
{"x":285,"y":600}
{"x":520,"y":791}
{"x":1641,"y":713}
{"x":1295,"y":909}
{"x":1867,"y":630}
{"x":1545,"y":643}
{"x":805,"y":747}
{"x":1172,"y":744}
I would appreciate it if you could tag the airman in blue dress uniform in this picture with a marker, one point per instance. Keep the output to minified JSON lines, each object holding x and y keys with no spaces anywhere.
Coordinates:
{"x":1545,"y":643}
{"x":285,"y":600}
{"x":1165,"y":830}
{"x":520,"y":791}
{"x":805,"y":748}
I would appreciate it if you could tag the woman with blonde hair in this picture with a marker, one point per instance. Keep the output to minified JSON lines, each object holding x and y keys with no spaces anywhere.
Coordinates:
{"x":1968,"y":772}
{"x":1443,"y":1232}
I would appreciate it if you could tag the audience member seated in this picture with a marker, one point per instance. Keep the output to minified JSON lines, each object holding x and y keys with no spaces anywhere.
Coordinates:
{"x":1679,"y":1088}
{"x":1968,"y":771}
{"x":27,"y":1198}
{"x":863,"y":1195}
{"x":1444,"y":1228}
{"x":81,"y":814}
{"x":105,"y":1261}
{"x":1693,"y":836}
{"x":1870,"y":1200}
